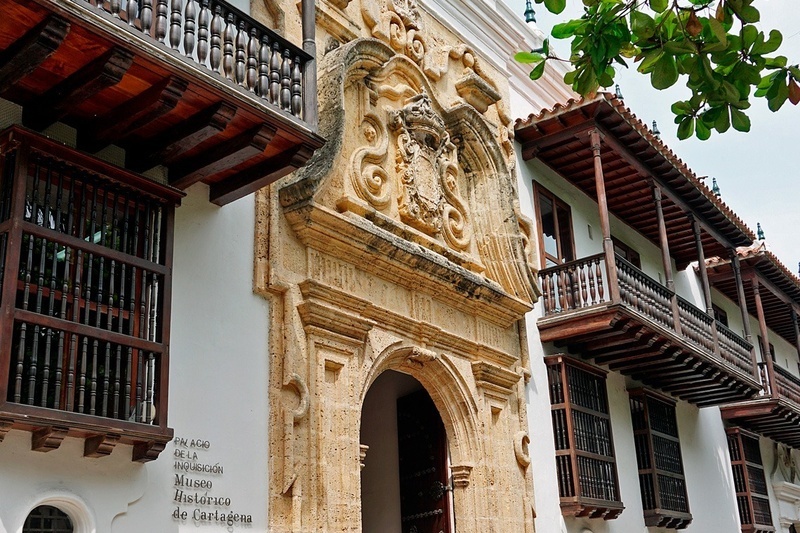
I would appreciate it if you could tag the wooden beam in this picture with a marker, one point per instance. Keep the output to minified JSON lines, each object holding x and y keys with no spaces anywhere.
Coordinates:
{"x":29,"y":51}
{"x":762,"y":325}
{"x":167,"y":147}
{"x":105,"y":71}
{"x":221,"y":157}
{"x":258,"y":176}
{"x":132,"y":114}
{"x":531,"y":148}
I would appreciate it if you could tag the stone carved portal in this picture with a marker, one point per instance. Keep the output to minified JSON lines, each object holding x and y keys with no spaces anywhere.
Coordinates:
{"x":397,"y":248}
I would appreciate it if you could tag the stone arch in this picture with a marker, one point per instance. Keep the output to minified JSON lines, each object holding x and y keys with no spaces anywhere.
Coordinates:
{"x":447,"y":388}
{"x":83,"y":520}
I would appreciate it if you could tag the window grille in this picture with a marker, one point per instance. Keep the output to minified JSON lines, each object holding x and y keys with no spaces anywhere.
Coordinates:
{"x":658,"y":454}
{"x":749,"y":482}
{"x":586,"y":467}
{"x":85,"y":261}
{"x":47,"y":519}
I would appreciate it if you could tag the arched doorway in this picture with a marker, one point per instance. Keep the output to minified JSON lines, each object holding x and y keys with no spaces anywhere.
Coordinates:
{"x":405,"y":482}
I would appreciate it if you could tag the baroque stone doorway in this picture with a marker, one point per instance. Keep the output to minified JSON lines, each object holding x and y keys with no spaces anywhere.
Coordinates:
{"x":405,"y":483}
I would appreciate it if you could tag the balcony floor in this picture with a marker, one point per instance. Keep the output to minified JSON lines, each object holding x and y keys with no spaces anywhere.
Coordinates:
{"x":634,"y":345}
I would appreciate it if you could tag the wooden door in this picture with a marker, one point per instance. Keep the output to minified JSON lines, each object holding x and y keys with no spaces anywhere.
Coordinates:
{"x":424,"y":483}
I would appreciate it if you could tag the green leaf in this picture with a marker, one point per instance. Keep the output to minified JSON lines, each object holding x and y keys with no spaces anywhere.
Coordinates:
{"x":681,"y":108}
{"x":659,"y":5}
{"x":739,"y":120}
{"x":702,"y":131}
{"x":665,"y":73}
{"x":528,"y":57}
{"x":723,"y":121}
{"x":772,"y":44}
{"x":680,"y":47}
{"x":795,"y":70}
{"x":642,"y":24}
{"x":566,"y":29}
{"x":748,"y":34}
{"x":718,"y":31}
{"x":651,"y":57}
{"x":538,"y":70}
{"x":555,"y":6}
{"x":686,"y":128}
{"x":748,"y":14}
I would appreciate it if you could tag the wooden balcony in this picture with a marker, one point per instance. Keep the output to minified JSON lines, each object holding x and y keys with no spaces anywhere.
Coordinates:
{"x":85,"y":282}
{"x":620,"y":317}
{"x":195,"y":86}
{"x":777,"y":413}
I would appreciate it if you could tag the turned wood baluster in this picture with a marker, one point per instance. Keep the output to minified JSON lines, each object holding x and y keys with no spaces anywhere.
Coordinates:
{"x":52,"y":306}
{"x":47,"y":214}
{"x":189,"y":28}
{"x":76,"y":294}
{"x":114,"y":7}
{"x":584,"y":294}
{"x":573,"y":295}
{"x":162,"y":10}
{"x":241,"y":53}
{"x":599,"y":270}
{"x":592,"y":288}
{"x":264,"y":56}
{"x":132,"y":9}
{"x":147,"y":16}
{"x":544,"y":279}
{"x":87,"y":307}
{"x":203,"y":24}
{"x":297,"y":87}
{"x":23,"y":328}
{"x":228,"y":35}
{"x":176,"y":6}
{"x":275,"y":75}
{"x":251,"y":79}
{"x":562,"y":289}
{"x":286,"y":81}
{"x":217,"y":24}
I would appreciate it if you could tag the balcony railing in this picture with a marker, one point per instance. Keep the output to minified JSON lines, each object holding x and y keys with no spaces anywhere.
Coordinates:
{"x":85,"y":260}
{"x":583,"y":287}
{"x":787,"y":385}
{"x":222,"y":40}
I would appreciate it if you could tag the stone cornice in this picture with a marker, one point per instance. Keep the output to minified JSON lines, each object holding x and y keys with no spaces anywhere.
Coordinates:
{"x":360,"y":311}
{"x":356,"y":240}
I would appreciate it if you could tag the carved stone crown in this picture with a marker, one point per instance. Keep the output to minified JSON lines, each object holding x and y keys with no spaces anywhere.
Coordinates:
{"x":420,"y":120}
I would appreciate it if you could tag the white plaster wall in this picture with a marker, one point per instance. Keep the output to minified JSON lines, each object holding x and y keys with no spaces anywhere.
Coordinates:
{"x":218,"y":393}
{"x":219,"y":369}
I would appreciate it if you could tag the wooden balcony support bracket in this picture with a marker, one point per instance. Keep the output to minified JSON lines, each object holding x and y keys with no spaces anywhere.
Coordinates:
{"x":5,"y":426}
{"x":762,"y":325}
{"x":31,"y":50}
{"x":100,"y":445}
{"x":173,"y":143}
{"x":47,"y":438}
{"x":101,"y":73}
{"x":222,"y":157}
{"x":147,"y":451}
{"x":596,"y":139}
{"x":127,"y":118}
{"x":258,"y":176}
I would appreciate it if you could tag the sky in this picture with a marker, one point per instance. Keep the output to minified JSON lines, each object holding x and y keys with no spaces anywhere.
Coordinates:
{"x":758,"y":172}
